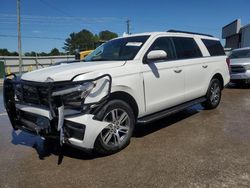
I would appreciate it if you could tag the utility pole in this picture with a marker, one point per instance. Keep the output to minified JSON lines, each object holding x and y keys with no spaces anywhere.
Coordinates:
{"x":19,"y":37}
{"x":128,"y":26}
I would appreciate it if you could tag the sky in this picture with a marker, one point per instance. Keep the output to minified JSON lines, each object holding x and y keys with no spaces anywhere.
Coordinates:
{"x":45,"y":24}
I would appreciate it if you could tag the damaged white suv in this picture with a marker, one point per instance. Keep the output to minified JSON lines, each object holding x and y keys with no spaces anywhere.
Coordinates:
{"x":130,"y":80}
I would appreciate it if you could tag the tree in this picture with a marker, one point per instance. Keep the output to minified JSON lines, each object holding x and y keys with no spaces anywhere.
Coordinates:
{"x":5,"y":52}
{"x":107,"y":35}
{"x":96,"y":38}
{"x":13,"y":54}
{"x":32,"y":53}
{"x":54,"y":52}
{"x":83,"y":40}
{"x":42,"y":54}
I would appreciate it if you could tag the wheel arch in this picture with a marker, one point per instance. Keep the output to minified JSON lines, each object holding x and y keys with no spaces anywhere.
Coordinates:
{"x":219,"y":77}
{"x":126,"y":97}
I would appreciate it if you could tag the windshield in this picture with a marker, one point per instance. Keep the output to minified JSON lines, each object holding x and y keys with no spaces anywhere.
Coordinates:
{"x":240,"y":54}
{"x":118,"y":49}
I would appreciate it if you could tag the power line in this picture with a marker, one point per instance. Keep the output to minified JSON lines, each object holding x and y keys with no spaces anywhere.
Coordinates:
{"x":54,"y":7}
{"x":32,"y":37}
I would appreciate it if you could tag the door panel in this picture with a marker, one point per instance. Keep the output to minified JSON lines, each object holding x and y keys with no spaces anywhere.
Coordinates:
{"x":195,"y":78}
{"x":163,"y":79}
{"x":192,"y":61}
{"x":164,"y":85}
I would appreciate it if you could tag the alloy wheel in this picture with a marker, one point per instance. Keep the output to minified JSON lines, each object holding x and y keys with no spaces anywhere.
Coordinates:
{"x":215,"y":93}
{"x":117,"y":131}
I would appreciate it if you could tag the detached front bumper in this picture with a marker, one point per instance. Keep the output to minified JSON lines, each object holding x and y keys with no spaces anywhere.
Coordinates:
{"x":80,"y":129}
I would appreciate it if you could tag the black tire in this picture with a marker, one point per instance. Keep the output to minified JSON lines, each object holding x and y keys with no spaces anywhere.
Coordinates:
{"x":116,"y":136}
{"x":213,"y":95}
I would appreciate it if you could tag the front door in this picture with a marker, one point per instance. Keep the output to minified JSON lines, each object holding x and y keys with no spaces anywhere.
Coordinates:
{"x":164,"y":79}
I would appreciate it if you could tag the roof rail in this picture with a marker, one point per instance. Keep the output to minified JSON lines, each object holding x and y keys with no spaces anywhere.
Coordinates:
{"x":178,"y":31}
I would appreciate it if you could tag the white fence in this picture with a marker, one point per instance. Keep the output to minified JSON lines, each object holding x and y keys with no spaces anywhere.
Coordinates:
{"x":11,"y":63}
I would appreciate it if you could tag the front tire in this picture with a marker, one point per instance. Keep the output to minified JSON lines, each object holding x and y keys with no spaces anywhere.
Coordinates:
{"x":213,"y":95}
{"x":117,"y":134}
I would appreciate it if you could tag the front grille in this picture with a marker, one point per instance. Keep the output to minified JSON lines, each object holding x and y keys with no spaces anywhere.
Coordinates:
{"x":32,"y":94}
{"x":237,"y":69}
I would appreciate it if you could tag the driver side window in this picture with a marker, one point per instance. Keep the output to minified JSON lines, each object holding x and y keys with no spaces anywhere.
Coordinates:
{"x":165,"y":44}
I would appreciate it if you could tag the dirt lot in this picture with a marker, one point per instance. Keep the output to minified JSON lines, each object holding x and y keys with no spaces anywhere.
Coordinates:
{"x":194,"y":148}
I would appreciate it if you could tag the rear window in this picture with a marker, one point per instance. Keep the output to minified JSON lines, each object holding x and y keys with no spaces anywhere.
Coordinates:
{"x":240,"y":54}
{"x":214,"y":47}
{"x":186,"y":48}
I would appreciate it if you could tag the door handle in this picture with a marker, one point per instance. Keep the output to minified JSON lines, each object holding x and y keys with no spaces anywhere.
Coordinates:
{"x":178,"y":71}
{"x":204,"y":66}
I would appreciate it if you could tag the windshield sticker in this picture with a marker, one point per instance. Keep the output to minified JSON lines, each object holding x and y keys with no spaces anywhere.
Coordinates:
{"x":138,"y":44}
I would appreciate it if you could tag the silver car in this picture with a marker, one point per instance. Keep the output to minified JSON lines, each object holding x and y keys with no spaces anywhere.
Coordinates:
{"x":240,"y":65}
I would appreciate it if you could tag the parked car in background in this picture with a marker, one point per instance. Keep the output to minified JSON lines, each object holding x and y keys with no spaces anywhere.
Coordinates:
{"x":135,"y":79}
{"x":240,"y":65}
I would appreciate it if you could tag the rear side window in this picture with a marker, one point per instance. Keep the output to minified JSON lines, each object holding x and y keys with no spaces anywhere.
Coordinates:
{"x":186,"y":48}
{"x":214,"y":47}
{"x":165,"y":44}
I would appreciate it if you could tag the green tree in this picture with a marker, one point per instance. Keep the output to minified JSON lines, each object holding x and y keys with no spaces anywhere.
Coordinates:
{"x":54,"y":52}
{"x":32,"y":53}
{"x":5,"y":52}
{"x":13,"y":54}
{"x":96,"y":38}
{"x":83,"y":40}
{"x":43,"y":54}
{"x":107,"y":35}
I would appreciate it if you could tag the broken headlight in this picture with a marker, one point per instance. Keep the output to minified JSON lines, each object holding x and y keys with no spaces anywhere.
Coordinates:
{"x":73,"y":96}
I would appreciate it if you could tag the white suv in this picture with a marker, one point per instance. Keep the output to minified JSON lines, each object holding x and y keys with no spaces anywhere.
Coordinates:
{"x":130,"y":80}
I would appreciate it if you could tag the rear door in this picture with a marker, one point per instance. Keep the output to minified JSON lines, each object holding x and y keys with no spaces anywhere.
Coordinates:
{"x":190,"y":57}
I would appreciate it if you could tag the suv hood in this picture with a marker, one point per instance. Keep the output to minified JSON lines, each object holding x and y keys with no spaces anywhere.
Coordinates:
{"x":65,"y":72}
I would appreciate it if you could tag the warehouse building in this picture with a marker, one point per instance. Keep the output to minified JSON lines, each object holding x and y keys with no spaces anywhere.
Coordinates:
{"x":236,"y":36}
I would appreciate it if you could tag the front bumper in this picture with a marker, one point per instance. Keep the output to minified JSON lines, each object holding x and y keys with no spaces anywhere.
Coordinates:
{"x":79,"y":129}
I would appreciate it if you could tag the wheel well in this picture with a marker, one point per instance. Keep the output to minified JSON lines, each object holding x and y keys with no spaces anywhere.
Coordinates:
{"x":127,"y":98}
{"x":220,"y":78}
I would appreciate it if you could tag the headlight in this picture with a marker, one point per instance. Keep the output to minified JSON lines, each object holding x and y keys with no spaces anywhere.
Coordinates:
{"x":73,"y":96}
{"x":80,"y":88}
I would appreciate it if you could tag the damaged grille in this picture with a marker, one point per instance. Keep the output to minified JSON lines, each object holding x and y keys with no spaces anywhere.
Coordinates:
{"x":37,"y":95}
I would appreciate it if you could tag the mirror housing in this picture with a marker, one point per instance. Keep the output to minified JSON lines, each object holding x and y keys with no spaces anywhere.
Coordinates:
{"x":157,"y":55}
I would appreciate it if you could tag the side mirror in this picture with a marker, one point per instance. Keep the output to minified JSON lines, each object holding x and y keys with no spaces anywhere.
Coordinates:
{"x":157,"y":55}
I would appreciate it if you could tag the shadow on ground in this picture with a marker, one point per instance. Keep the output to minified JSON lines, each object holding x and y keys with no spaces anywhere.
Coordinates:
{"x":45,"y":148}
{"x":238,"y":86}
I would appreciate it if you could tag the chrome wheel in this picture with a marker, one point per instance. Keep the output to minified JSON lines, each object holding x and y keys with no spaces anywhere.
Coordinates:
{"x":117,"y":131}
{"x":215,"y":93}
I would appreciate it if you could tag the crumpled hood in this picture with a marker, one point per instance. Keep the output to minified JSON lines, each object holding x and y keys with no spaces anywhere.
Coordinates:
{"x":65,"y":72}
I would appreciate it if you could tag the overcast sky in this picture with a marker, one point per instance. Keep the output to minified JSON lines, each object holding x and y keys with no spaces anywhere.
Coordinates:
{"x":47,"y":23}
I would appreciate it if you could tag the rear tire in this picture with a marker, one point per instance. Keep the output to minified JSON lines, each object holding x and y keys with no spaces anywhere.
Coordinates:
{"x":213,"y":95}
{"x":117,"y":135}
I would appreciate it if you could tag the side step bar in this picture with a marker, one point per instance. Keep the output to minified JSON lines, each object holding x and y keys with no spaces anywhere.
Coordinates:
{"x":159,"y":115}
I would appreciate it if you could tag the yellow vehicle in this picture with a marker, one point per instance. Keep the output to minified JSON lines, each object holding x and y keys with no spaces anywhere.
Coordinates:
{"x":82,"y":54}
